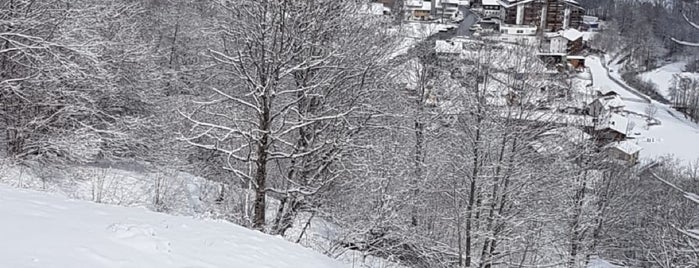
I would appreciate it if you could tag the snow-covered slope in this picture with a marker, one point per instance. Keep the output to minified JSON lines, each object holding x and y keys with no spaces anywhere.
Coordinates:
{"x":43,"y":230}
{"x":662,"y":77}
{"x":674,"y":136}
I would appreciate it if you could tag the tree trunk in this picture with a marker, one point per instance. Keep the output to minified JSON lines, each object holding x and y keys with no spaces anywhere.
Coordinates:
{"x":258,"y":222}
{"x":576,"y":235}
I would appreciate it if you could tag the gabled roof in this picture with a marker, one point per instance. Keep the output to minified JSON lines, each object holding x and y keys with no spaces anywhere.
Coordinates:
{"x":490,"y":3}
{"x":613,"y":121}
{"x":419,"y":4}
{"x":604,"y":91}
{"x":572,"y":34}
{"x":613,"y":101}
{"x":626,"y":146}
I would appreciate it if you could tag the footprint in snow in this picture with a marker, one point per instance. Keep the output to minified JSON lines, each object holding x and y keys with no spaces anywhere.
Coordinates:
{"x":140,"y":236}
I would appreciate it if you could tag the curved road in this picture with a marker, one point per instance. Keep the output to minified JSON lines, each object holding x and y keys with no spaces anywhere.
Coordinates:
{"x":469,"y":20}
{"x":675,"y":136}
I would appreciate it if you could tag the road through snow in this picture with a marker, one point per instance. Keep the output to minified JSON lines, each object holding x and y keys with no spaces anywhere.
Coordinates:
{"x":675,"y":135}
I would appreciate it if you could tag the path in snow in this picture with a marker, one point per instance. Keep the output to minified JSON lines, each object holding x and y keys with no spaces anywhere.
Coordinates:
{"x":675,"y":136}
{"x":42,"y":230}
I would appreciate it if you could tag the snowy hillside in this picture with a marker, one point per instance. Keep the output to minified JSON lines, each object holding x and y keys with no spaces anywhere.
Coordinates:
{"x":51,"y":231}
{"x":674,"y":136}
{"x":662,"y":77}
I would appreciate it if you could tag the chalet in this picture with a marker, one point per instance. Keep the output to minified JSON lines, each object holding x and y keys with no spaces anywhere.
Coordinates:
{"x":557,"y":43}
{"x":590,"y":23}
{"x":446,"y":8}
{"x":574,"y":40}
{"x":418,"y":9}
{"x":577,"y":62}
{"x":492,"y":9}
{"x":605,"y":104}
{"x":430,"y":9}
{"x":548,"y":15}
{"x":567,"y":42}
{"x":611,"y":127}
{"x":625,"y":151}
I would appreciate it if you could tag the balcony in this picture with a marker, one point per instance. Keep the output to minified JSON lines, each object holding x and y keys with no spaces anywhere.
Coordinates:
{"x":518,"y":29}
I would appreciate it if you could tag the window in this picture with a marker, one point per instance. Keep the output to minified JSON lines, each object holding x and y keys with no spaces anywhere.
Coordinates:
{"x":520,"y":31}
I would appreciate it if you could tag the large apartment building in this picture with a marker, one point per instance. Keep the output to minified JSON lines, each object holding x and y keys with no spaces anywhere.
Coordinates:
{"x":548,"y":15}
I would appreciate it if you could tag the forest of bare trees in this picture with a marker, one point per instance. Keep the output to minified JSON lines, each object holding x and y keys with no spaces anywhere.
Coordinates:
{"x":300,"y":108}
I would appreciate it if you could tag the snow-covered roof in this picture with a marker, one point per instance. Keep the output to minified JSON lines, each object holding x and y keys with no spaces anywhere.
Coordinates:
{"x":373,"y":9}
{"x":552,"y":35}
{"x":606,"y":91}
{"x":490,"y":3}
{"x":449,"y":47}
{"x":613,"y":101}
{"x":418,"y":5}
{"x":511,"y":3}
{"x":590,"y":19}
{"x":613,"y":121}
{"x":626,"y":146}
{"x":572,"y":34}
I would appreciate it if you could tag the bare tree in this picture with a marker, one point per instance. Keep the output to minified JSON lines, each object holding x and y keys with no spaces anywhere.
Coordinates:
{"x":299,"y":74}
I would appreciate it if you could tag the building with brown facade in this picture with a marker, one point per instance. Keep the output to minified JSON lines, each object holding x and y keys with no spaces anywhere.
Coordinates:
{"x":547,"y":15}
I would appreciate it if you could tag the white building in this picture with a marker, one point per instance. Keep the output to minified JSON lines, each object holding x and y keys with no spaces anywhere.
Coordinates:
{"x":493,"y":9}
{"x":446,"y":8}
{"x":518,"y":29}
{"x":432,"y":9}
{"x":562,"y":42}
{"x":418,"y":9}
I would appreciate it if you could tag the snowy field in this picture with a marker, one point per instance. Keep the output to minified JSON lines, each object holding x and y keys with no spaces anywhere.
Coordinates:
{"x":181,"y":194}
{"x":662,"y":77}
{"x":674,"y":136}
{"x":51,"y":231}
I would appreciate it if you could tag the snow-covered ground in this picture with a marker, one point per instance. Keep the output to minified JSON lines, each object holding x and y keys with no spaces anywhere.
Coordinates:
{"x":662,"y":77}
{"x":675,"y":135}
{"x":43,"y":230}
{"x":413,"y":32}
{"x":599,"y":263}
{"x":179,"y":194}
